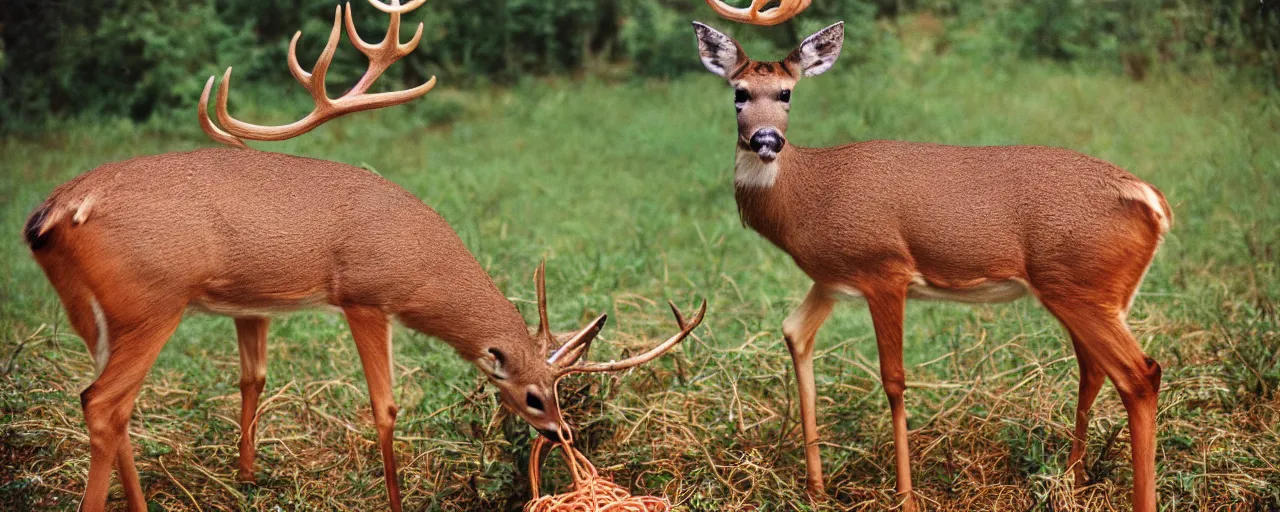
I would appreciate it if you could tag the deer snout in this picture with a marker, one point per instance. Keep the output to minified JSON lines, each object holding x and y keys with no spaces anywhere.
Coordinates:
{"x":552,"y":433}
{"x":767,"y":142}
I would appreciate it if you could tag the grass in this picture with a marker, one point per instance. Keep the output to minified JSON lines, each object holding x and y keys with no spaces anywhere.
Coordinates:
{"x":625,"y":189}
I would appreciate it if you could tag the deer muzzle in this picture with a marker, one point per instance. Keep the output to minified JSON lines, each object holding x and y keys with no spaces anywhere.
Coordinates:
{"x":552,"y":434}
{"x":767,"y":142}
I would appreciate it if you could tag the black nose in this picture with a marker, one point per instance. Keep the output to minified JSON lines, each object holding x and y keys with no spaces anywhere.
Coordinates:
{"x":767,"y":138}
{"x":553,"y":435}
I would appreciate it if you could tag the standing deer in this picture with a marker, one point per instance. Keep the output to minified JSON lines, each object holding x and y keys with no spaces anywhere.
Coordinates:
{"x":889,"y":220}
{"x":130,"y":246}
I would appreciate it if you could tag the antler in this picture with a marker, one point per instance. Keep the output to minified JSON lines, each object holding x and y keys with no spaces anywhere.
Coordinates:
{"x":783,"y":12}
{"x":544,"y":336}
{"x":380,"y":55}
{"x":581,"y":342}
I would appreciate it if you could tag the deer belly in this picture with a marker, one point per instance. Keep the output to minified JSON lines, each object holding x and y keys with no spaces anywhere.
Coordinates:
{"x":260,"y":306}
{"x":986,"y":291}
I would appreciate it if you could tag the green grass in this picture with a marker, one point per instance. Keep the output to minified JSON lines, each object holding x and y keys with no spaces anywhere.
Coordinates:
{"x":626,"y":190}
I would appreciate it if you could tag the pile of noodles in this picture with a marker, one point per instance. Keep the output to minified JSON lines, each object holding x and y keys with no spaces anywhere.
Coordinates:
{"x":591,"y":492}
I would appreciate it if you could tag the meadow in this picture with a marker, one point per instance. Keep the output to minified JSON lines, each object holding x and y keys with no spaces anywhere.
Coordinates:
{"x":624,"y":187}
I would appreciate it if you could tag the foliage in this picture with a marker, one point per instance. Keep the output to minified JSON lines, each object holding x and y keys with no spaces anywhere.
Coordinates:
{"x":1136,"y":34}
{"x":114,"y":58}
{"x":131,"y":58}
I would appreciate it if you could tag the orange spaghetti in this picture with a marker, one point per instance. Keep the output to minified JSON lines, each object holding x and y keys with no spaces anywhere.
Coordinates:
{"x":591,"y":492}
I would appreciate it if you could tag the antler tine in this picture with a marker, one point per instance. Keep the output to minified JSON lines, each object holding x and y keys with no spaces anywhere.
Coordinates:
{"x":381,"y":56}
{"x":679,"y":317}
{"x":613,"y":366}
{"x":786,"y":10}
{"x":202,"y":111}
{"x":295,"y":69}
{"x":578,"y":344}
{"x":321,"y":69}
{"x":544,"y":326}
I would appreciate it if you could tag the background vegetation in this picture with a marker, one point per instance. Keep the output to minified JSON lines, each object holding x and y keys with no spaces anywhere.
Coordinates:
{"x":134,"y":59}
{"x":622,"y":182}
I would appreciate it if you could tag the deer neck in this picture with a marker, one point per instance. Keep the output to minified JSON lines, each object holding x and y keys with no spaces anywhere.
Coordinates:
{"x":468,"y":314}
{"x":762,"y":189}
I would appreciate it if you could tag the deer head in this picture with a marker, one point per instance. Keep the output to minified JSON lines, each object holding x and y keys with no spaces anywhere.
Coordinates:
{"x":527,"y":383}
{"x":762,"y":90}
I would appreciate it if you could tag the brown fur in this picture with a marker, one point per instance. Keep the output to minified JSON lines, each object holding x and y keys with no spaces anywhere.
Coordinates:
{"x":889,"y":220}
{"x":954,"y":214}
{"x":247,"y":233}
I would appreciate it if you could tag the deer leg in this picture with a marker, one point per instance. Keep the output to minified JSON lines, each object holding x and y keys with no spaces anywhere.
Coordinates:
{"x":108,"y":403}
{"x":252,"y":336}
{"x":800,"y":329}
{"x":128,"y":473}
{"x":372,"y":332}
{"x":887,"y":307}
{"x":1091,"y":380}
{"x":1110,"y":347}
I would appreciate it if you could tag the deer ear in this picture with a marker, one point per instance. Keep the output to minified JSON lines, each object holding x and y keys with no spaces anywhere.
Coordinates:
{"x":493,"y":362}
{"x":719,"y":53}
{"x":818,"y":52}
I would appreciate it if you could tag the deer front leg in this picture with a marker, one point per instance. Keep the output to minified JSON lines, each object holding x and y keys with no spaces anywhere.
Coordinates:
{"x":800,"y":329}
{"x":371,"y":330}
{"x":887,"y":306}
{"x":252,"y":336}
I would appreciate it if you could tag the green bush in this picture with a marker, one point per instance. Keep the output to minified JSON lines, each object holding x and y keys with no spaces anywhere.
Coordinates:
{"x":131,"y":59}
{"x":1132,"y":35}
{"x":658,"y":38}
{"x":113,"y":58}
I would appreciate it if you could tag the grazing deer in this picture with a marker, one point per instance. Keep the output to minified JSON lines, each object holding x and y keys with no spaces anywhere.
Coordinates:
{"x":889,"y":220}
{"x":130,"y":246}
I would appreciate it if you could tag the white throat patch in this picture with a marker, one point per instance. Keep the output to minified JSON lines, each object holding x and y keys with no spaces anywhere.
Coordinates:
{"x":750,"y":171}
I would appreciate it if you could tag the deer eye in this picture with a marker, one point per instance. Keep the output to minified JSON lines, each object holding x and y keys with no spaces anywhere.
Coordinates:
{"x":741,"y":96}
{"x":785,"y":96}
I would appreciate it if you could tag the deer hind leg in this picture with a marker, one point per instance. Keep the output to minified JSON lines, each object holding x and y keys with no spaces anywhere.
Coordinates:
{"x":108,"y":402}
{"x":800,"y":328}
{"x":888,"y":306}
{"x":1091,"y":380}
{"x":252,"y":336}
{"x":371,"y":329}
{"x":1110,"y":349}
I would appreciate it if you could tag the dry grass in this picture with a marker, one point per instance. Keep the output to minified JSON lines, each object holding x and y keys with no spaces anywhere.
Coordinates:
{"x":708,"y":435}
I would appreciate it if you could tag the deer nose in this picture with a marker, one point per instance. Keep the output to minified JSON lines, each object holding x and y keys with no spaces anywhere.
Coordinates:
{"x":767,"y":143}
{"x":553,"y":435}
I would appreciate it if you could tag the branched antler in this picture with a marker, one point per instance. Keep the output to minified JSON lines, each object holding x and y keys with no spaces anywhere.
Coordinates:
{"x":564,"y":360}
{"x":380,"y":55}
{"x":572,"y":351}
{"x":786,"y":10}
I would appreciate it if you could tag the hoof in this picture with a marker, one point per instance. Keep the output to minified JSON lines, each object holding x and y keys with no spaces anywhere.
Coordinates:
{"x":246,"y":477}
{"x":907,"y":503}
{"x":816,"y":491}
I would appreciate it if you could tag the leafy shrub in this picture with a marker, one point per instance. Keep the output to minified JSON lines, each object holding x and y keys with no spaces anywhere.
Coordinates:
{"x":130,"y":59}
{"x":658,"y":38}
{"x":115,"y":58}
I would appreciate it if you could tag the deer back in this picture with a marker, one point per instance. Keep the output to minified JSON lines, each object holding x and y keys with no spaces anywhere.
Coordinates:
{"x":237,"y":231}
